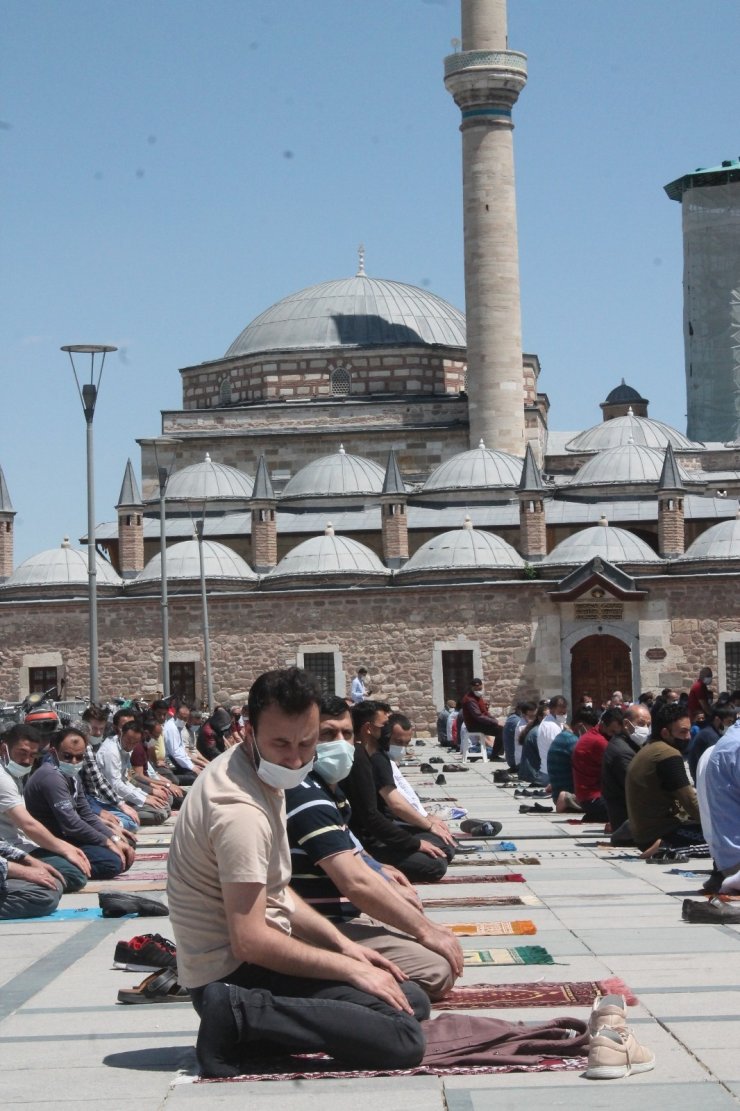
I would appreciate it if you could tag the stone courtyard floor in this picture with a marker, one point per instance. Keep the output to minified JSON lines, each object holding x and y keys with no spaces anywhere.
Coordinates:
{"x":65,"y":1042}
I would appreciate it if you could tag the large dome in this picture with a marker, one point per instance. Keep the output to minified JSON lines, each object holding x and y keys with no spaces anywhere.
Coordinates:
{"x":616,"y":545}
{"x":338,"y":557}
{"x":463,"y":549}
{"x":338,"y":475}
{"x":628,"y":464}
{"x":60,"y":567}
{"x":642,"y":431}
{"x":183,"y":562}
{"x":353,"y":312}
{"x":208,"y":481}
{"x":477,"y":469}
{"x":720,"y":542}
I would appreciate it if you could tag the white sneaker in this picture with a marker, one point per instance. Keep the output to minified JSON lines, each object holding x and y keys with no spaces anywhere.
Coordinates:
{"x":614,"y":1053}
{"x":608,"y":1010}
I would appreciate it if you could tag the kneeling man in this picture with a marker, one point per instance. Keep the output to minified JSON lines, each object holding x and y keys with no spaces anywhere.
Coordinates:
{"x":266,"y":972}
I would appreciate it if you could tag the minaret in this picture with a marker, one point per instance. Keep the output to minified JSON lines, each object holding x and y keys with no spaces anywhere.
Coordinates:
{"x":395,"y":522}
{"x":485,"y":79}
{"x":532,"y":524}
{"x":7,"y":513}
{"x":671,"y":534}
{"x":130,"y":510}
{"x":264,"y":525}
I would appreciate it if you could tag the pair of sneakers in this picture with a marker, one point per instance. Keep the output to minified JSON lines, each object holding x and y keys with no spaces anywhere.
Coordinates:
{"x":614,"y":1052}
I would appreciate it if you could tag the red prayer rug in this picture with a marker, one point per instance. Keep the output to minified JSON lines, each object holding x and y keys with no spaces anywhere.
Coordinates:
{"x":484,"y":901}
{"x":151,"y":856}
{"x":323,"y":1068}
{"x":506,"y":877}
{"x":541,"y":994}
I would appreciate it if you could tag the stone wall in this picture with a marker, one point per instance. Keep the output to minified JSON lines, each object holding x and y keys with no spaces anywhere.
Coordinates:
{"x":516,"y":626}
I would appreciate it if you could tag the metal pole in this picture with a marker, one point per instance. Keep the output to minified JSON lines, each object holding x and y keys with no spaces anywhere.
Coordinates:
{"x":163,"y":581}
{"x":204,"y":600}
{"x":92,"y":570}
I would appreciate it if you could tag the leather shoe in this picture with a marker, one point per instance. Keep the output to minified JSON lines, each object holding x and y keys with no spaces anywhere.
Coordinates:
{"x":114,"y":905}
{"x":710,"y":911}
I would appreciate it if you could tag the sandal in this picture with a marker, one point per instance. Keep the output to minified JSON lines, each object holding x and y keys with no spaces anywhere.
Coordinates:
{"x":160,"y":987}
{"x":478,"y":828}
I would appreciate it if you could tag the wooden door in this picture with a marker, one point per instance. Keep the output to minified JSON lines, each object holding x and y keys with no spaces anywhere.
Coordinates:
{"x":600,"y":665}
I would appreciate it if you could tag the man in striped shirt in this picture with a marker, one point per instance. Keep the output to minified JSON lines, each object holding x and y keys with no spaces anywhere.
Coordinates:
{"x":369,"y":903}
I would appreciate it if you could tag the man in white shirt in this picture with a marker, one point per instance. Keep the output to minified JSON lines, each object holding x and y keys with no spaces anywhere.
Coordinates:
{"x":359,"y":689}
{"x":551,"y":725}
{"x":177,"y":754}
{"x":114,"y":760}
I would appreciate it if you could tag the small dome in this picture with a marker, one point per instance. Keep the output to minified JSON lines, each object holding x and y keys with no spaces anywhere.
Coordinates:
{"x":628,"y":464}
{"x":642,"y":431}
{"x":353,"y":312}
{"x":60,"y":567}
{"x":336,"y":475}
{"x":329,"y":555}
{"x":624,"y":395}
{"x":208,"y":481}
{"x":616,"y":545}
{"x":478,"y":469}
{"x":463,"y":549}
{"x":720,"y":542}
{"x":183,"y":562}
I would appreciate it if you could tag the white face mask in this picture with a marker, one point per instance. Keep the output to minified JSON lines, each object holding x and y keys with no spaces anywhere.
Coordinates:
{"x":275,"y":775}
{"x":397,"y":752}
{"x":334,"y":760}
{"x":18,"y":771}
{"x":561,"y":718}
{"x":641,"y":733}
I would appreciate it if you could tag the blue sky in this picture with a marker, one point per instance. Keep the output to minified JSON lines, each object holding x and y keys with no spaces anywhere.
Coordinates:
{"x":171,"y":168}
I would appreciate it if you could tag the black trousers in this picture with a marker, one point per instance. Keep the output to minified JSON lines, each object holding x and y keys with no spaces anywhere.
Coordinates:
{"x":417,"y":867}
{"x":278,"y":1013}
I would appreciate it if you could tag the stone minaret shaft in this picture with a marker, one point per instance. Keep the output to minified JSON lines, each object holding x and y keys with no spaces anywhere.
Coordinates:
{"x":485,"y":79}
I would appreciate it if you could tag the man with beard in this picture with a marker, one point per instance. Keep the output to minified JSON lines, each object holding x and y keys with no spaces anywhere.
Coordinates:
{"x":661,"y":803}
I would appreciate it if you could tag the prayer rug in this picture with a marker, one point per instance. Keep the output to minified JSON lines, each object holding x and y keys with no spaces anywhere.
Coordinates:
{"x":67,"y":914}
{"x":506,"y":877}
{"x":323,"y":1068}
{"x":522,"y":954}
{"x":487,"y":859}
{"x":484,"y":901}
{"x":132,"y":884}
{"x":151,"y":856}
{"x":541,"y":994}
{"x":489,"y":929}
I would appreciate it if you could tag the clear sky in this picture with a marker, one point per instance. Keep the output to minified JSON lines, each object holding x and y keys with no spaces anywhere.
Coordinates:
{"x":170,"y":168}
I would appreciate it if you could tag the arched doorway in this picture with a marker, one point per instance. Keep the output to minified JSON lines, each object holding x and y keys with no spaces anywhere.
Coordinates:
{"x":600,"y":664}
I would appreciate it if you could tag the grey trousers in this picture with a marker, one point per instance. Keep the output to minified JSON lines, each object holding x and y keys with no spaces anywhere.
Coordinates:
{"x":22,"y":899}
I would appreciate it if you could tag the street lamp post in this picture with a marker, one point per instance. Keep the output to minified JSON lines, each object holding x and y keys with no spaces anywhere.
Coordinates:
{"x":88,"y":392}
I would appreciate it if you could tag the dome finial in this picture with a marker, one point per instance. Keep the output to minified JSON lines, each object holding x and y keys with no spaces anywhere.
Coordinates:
{"x":65,"y":542}
{"x":341,"y":450}
{"x":360,"y":261}
{"x":329,"y":530}
{"x":208,"y":458}
{"x":467,"y":523}
{"x":481,"y":444}
{"x":630,"y":411}
{"x":603,"y":521}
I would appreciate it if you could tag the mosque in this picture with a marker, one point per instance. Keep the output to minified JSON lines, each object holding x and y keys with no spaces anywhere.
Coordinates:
{"x":375,"y":482}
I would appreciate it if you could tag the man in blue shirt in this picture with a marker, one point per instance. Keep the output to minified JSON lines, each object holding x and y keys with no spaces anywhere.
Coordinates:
{"x":719,"y":792}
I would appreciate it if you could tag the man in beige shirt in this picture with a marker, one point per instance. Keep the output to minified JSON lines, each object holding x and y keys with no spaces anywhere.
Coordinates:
{"x":266,"y":972}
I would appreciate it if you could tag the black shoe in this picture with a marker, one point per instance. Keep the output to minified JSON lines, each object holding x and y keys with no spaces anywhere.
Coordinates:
{"x":440,"y":780}
{"x":436,"y":760}
{"x":711,"y":911}
{"x":426,"y":768}
{"x":454,"y":768}
{"x":502,"y":776}
{"x":535,"y":808}
{"x":146,"y":953}
{"x":114,"y":905}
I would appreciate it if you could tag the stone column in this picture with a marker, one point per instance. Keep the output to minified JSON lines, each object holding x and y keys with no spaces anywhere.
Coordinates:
{"x":485,"y":79}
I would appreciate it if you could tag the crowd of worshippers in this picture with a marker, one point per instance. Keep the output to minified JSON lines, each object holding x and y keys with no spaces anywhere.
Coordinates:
{"x":73,"y":797}
{"x":660,"y":772}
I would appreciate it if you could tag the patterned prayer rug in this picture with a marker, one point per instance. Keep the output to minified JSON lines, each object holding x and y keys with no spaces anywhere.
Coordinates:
{"x":132,"y":883}
{"x":490,"y":929}
{"x":580,"y":993}
{"x":487,"y":859}
{"x":522,"y":954}
{"x":320,"y":1068}
{"x":506,"y":877}
{"x":151,"y":856}
{"x":484,"y":901}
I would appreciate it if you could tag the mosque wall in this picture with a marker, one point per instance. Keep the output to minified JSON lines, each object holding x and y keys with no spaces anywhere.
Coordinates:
{"x":516,"y":630}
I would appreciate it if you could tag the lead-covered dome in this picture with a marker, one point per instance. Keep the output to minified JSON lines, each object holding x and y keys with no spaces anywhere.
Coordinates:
{"x":335,"y":560}
{"x":720,"y":542}
{"x":336,"y":475}
{"x":61,"y":568}
{"x":353,"y":312}
{"x":616,"y":545}
{"x":477,"y":469}
{"x":208,"y":482}
{"x":628,"y":464}
{"x":222,"y":566}
{"x":466,"y":549}
{"x":619,"y":431}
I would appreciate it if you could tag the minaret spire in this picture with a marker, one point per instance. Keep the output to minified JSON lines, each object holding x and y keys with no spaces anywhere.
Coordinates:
{"x":485,"y":78}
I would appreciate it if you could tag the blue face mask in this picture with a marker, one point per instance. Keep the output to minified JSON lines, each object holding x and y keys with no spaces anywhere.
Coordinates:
{"x":69,"y":769}
{"x":334,"y":760}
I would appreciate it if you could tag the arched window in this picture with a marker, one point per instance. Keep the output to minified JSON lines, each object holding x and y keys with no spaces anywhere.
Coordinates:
{"x":340,"y":382}
{"x":224,"y":392}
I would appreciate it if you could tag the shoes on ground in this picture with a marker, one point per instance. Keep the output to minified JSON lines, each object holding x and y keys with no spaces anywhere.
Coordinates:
{"x":502,"y":776}
{"x":436,"y":760}
{"x":426,"y":768}
{"x":608,"y":1010}
{"x":440,"y":780}
{"x":114,"y":905}
{"x":712,"y":910}
{"x":145,"y":953}
{"x":160,"y":987}
{"x":454,"y":768}
{"x":480,"y":828}
{"x":535,"y":808}
{"x":615,"y":1053}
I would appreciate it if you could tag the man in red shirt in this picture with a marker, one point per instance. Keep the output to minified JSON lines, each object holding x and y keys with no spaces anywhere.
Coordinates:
{"x":588,"y":757}
{"x":700,"y":695}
